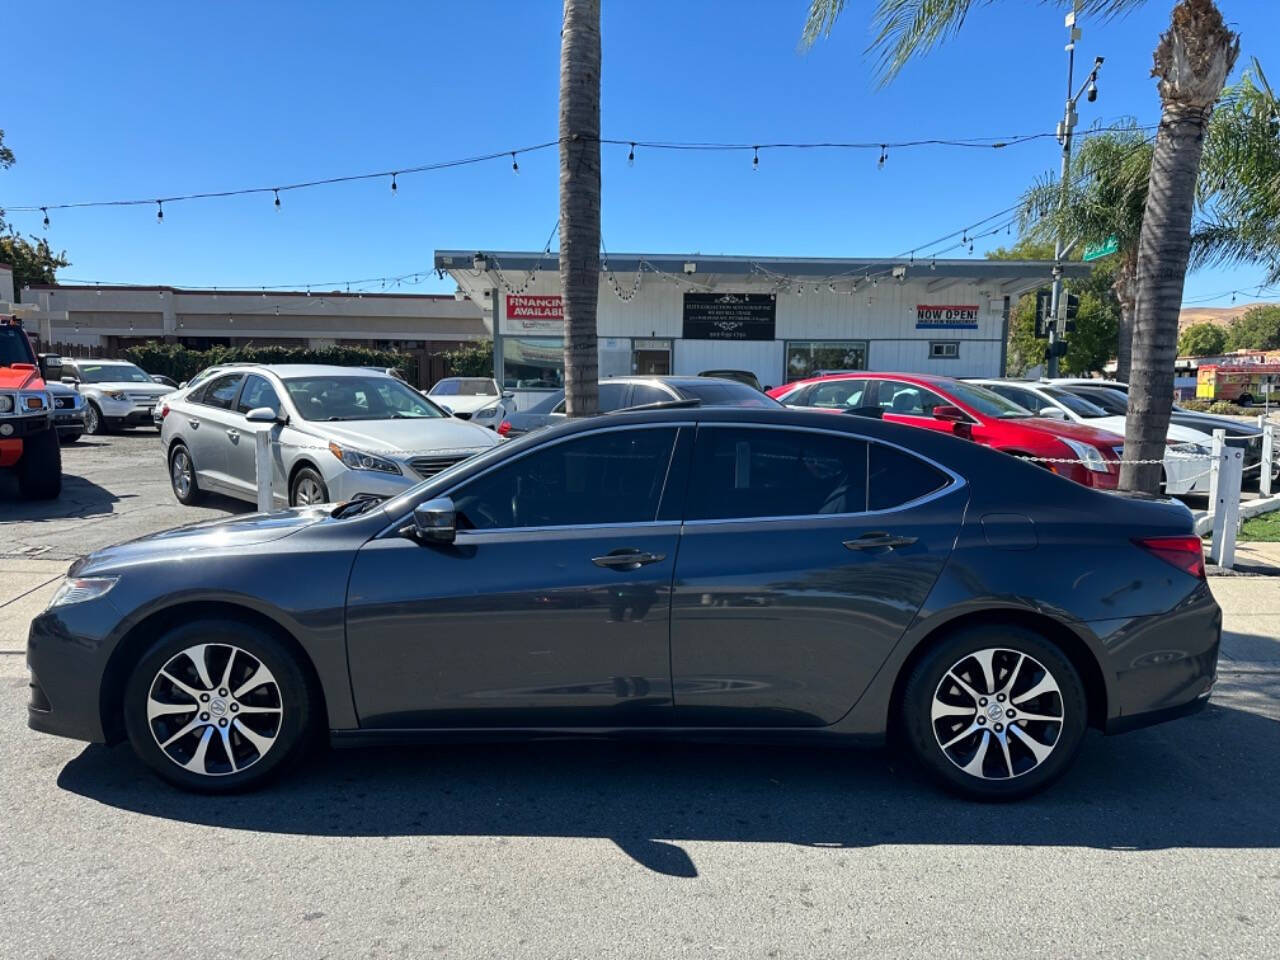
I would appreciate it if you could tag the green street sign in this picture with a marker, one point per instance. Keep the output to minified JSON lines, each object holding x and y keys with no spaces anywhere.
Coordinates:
{"x":1102,"y":250}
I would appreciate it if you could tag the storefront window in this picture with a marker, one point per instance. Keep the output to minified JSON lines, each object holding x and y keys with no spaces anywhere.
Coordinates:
{"x":807,"y":357}
{"x":532,"y":363}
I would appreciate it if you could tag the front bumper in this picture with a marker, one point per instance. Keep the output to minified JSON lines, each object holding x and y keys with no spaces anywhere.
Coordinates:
{"x":69,"y":421}
{"x":67,"y":655}
{"x":127,"y":413}
{"x":347,"y":484}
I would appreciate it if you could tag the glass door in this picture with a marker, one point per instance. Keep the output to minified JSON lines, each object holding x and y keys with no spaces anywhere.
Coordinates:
{"x":651,"y":358}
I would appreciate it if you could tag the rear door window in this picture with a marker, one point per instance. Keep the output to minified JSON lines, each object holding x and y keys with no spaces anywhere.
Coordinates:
{"x":838,"y":394}
{"x":896,"y":477}
{"x":745,"y":472}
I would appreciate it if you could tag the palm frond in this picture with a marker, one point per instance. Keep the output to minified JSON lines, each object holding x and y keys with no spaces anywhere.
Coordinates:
{"x":823,"y":15}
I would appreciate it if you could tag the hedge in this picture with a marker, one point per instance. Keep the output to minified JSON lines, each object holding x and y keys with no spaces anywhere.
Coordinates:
{"x":182,"y":363}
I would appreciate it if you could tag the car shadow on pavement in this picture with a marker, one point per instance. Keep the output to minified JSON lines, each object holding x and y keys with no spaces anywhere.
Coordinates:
{"x":79,"y":498}
{"x":1203,"y":782}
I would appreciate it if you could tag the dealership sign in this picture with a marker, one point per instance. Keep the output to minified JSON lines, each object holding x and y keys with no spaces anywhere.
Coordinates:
{"x":534,"y":314}
{"x":946,"y":317}
{"x":730,"y":316}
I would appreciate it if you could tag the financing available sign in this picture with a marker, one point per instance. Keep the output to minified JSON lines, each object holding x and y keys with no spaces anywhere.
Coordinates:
{"x":534,"y":314}
{"x":946,"y":316}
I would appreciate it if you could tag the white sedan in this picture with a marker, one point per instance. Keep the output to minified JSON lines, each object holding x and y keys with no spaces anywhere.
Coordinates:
{"x":1186,"y":464}
{"x":477,"y":399}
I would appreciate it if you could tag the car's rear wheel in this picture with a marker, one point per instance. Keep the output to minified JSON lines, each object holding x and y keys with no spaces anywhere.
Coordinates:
{"x":182,"y":476}
{"x":995,"y":712}
{"x":218,"y":706}
{"x":308,"y":487}
{"x":69,"y":437}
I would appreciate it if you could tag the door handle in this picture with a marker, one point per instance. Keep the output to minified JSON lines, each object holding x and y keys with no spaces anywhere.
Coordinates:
{"x":879,"y":541}
{"x":627,"y":559}
{"x":233,"y":435}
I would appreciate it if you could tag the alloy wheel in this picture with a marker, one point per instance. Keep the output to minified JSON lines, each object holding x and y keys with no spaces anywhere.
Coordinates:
{"x":215,"y":727}
{"x":181,"y":473}
{"x":308,"y":492}
{"x":997,"y":713}
{"x":91,"y":419}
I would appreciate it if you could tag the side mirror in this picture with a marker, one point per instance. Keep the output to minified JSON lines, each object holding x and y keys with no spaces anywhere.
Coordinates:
{"x":1052,"y":413}
{"x":183,"y":385}
{"x":435,"y":521}
{"x":508,"y":395}
{"x":266,"y":415}
{"x":945,"y":411}
{"x":70,"y":381}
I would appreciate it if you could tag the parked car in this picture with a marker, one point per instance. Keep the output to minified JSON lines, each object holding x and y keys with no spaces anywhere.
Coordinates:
{"x":741,"y":376}
{"x":117,"y":393}
{"x":477,"y":399}
{"x":973,"y":412}
{"x":161,"y":379}
{"x":338,"y":433}
{"x":1186,"y":469}
{"x":69,"y":411}
{"x":700,"y":571}
{"x":1114,"y":398}
{"x":620,"y":393}
{"x":28,"y":440}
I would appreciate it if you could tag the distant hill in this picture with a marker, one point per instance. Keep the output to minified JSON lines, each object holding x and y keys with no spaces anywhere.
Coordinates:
{"x":1219,"y":316}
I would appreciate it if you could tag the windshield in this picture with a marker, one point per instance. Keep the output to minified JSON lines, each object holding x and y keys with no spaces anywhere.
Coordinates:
{"x":1077,"y":405}
{"x":986,"y":402}
{"x":111,"y":373}
{"x":14,"y":346}
{"x":465,"y":387}
{"x":358,"y":398}
{"x":724,"y":393}
{"x":1112,"y":401}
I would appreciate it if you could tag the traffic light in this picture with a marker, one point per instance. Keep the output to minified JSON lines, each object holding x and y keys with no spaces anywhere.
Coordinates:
{"x":1044,"y":313}
{"x":1055,"y":349}
{"x":1073,"y":308}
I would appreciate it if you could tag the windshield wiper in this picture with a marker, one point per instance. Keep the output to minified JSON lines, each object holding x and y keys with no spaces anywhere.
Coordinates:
{"x":350,"y":508}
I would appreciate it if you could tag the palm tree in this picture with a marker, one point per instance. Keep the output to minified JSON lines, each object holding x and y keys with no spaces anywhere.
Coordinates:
{"x":580,"y":202}
{"x":1106,"y":196}
{"x":1192,"y":61}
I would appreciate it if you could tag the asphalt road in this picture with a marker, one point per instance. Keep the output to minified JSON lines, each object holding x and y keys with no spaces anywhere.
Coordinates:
{"x":1163,"y":843}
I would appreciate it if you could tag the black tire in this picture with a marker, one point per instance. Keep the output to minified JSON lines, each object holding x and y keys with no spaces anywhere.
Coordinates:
{"x":40,"y":467}
{"x":1246,"y":400}
{"x":94,"y":422}
{"x":303,"y":478}
{"x":288,"y":731}
{"x":1030,"y":774}
{"x":193,"y":494}
{"x":69,"y":437}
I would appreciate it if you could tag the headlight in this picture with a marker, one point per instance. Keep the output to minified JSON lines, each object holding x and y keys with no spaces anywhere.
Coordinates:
{"x":6,"y":403}
{"x":488,"y":413}
{"x":364,"y":461}
{"x":1088,"y":454}
{"x":80,"y":589}
{"x":116,"y":394}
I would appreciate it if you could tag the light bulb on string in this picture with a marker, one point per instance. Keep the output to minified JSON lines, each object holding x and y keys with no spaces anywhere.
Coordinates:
{"x":159,"y":211}
{"x":884,"y":155}
{"x":45,"y":211}
{"x":515,"y":167}
{"x":276,"y":191}
{"x":394,"y":188}
{"x":971,"y":246}
{"x":755,"y":159}
{"x":631,"y":157}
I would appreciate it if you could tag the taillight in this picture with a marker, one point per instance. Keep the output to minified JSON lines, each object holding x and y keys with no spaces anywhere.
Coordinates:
{"x":1185,"y":553}
{"x":164,"y":410}
{"x":504,"y":428}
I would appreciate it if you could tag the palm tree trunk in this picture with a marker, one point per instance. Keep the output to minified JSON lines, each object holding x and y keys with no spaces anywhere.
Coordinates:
{"x":1192,"y":62}
{"x":1124,"y":291}
{"x":580,"y":202}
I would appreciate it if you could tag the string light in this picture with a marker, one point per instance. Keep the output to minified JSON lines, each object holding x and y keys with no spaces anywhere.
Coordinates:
{"x":276,"y":191}
{"x":884,"y":155}
{"x":45,"y":211}
{"x":631,"y":157}
{"x":515,"y":167}
{"x":755,"y":160}
{"x":159,"y":211}
{"x":394,"y":188}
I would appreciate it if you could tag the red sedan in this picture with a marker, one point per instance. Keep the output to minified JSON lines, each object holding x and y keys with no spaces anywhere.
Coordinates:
{"x":968,"y":410}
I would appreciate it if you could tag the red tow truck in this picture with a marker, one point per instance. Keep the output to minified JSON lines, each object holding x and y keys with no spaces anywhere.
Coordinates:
{"x":28,"y":439}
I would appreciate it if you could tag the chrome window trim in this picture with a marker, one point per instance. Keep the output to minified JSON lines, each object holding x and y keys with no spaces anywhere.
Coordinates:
{"x":957,"y":481}
{"x":398,"y":524}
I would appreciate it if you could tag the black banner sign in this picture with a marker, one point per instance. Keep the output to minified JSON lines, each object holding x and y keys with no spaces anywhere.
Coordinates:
{"x":730,"y":316}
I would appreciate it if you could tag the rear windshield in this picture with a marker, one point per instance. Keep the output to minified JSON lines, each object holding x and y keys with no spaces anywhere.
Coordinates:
{"x":1112,"y":401}
{"x":14,"y":346}
{"x":358,"y":398}
{"x":724,"y":393}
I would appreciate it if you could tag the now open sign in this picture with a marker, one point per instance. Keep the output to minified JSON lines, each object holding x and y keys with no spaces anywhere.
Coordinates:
{"x":946,"y":316}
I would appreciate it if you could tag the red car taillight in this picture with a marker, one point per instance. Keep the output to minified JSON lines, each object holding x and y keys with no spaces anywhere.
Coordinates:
{"x":1185,"y":553}
{"x":504,"y":428}
{"x":164,"y":410}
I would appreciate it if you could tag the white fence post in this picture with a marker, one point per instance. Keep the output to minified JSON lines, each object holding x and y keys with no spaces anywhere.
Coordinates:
{"x":1268,"y":458}
{"x":1226,"y":507}
{"x":262,"y":465}
{"x":1215,"y":465}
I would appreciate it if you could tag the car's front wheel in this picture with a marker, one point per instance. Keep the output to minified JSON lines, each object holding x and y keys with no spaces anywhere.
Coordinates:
{"x":95,"y":423}
{"x":218,"y":706}
{"x":995,"y":712}
{"x":308,"y":487}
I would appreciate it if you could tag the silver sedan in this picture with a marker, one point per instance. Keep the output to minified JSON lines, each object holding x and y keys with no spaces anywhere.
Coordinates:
{"x":337,"y":433}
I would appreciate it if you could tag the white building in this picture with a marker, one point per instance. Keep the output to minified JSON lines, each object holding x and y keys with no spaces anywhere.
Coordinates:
{"x":781,"y":319}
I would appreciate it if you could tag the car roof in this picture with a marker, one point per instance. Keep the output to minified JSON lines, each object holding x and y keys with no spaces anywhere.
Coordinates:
{"x":288,"y":371}
{"x":924,"y":379}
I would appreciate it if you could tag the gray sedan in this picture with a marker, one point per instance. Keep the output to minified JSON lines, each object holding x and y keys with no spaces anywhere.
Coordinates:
{"x":337,"y":433}
{"x":694,"y":572}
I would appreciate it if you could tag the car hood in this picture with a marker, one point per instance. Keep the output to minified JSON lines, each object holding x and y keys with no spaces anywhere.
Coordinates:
{"x":59,"y":389}
{"x":128,"y":386}
{"x":200,"y":539}
{"x":1076,"y":431}
{"x":464,"y":404}
{"x":404,"y":437}
{"x":19,"y":375}
{"x":1208,"y":422}
{"x":1176,"y":433}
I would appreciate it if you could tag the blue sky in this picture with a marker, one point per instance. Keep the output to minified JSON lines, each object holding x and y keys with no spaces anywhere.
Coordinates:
{"x":153,"y":99}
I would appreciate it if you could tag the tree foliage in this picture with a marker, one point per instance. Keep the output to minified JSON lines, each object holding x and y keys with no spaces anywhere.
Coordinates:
{"x":182,"y":363}
{"x":1202,"y":340}
{"x":471,"y":359}
{"x":31,"y":257}
{"x":1258,"y":328}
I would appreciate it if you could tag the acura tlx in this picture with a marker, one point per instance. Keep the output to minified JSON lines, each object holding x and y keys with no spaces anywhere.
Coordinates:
{"x":689,"y":572}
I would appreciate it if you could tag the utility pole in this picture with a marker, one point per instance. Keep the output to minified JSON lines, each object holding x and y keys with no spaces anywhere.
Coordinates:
{"x":1065,"y":127}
